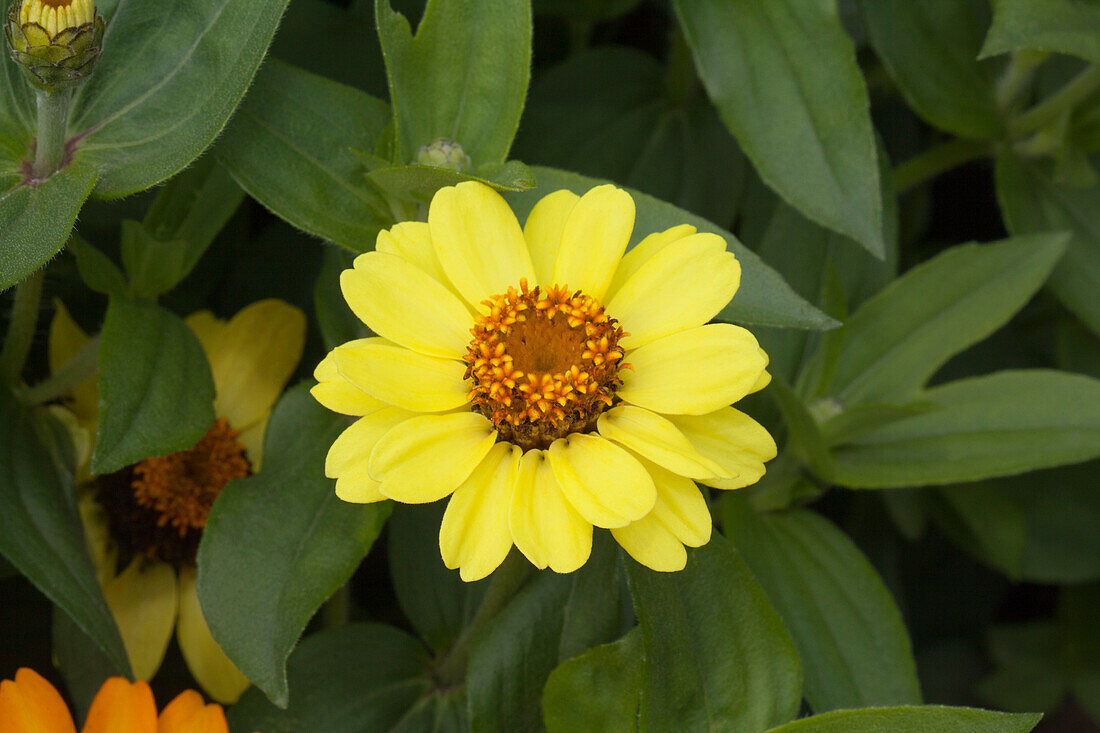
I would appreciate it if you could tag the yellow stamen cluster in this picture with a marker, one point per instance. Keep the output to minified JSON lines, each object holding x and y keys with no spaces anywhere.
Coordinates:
{"x":56,"y":16}
{"x":182,"y":487}
{"x":544,"y":363}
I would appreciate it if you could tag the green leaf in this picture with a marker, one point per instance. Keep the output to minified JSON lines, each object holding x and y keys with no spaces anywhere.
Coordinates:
{"x":434,"y":599}
{"x":716,"y":654}
{"x":153,"y":266}
{"x":359,"y":678}
{"x":986,"y":521}
{"x":337,"y":323}
{"x":806,"y":439}
{"x":850,"y":636}
{"x":899,"y":338}
{"x":1032,"y":202}
{"x":913,"y":719}
{"x":17,"y":115}
{"x":420,"y":182}
{"x":96,"y":269}
{"x":287,"y":533}
{"x":784,"y":77}
{"x":40,"y":529}
{"x":156,"y":393}
{"x":929,"y":49}
{"x":463,"y":76}
{"x":1064,"y":26}
{"x":82,"y":664}
{"x":290,"y":147}
{"x":626,"y":126}
{"x":763,"y":299}
{"x":35,"y":221}
{"x":170,"y":76}
{"x":598,"y":690}
{"x":994,"y":425}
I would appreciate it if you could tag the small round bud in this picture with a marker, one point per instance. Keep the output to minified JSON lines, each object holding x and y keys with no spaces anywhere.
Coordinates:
{"x":443,"y":153}
{"x":57,"y":42}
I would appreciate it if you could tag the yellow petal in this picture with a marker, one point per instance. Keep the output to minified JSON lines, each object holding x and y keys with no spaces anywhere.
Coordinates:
{"x":337,"y":393}
{"x":680,"y":507}
{"x":412,"y":240}
{"x":402,"y":303}
{"x":187,"y":713}
{"x":65,"y":341}
{"x":594,"y":239}
{"x":545,"y":526}
{"x":252,"y":438}
{"x":208,"y":328}
{"x":143,"y":601}
{"x":695,"y":371}
{"x":642,"y":253}
{"x":97,"y":536}
{"x":474,"y":535}
{"x":681,"y":287}
{"x":478,"y":241}
{"x":657,"y":439}
{"x":425,"y":458}
{"x":348,"y":460}
{"x":214,"y":672}
{"x":732,"y":439}
{"x":122,"y":706}
{"x":543,"y":231}
{"x":401,"y":377}
{"x":30,"y":704}
{"x":254,"y":357}
{"x":81,"y":436}
{"x":762,"y":381}
{"x":604,"y":483}
{"x":651,"y":544}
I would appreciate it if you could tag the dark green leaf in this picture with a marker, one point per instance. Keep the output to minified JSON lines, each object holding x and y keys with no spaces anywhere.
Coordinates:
{"x":784,"y":77}
{"x":806,"y":439}
{"x":598,"y":690}
{"x":764,"y":298}
{"x":996,"y":425}
{"x":420,"y":182}
{"x":900,"y":337}
{"x":929,"y":49}
{"x":82,"y":664}
{"x":40,"y":530}
{"x":985,"y":520}
{"x":360,"y":678}
{"x":290,"y":147}
{"x":96,"y":269}
{"x":1032,"y":202}
{"x":860,"y":419}
{"x":598,"y":609}
{"x":585,"y":9}
{"x":624,"y":125}
{"x":463,"y":76}
{"x":854,"y":647}
{"x":169,"y":79}
{"x":17,"y":114}
{"x":1064,"y":26}
{"x":153,"y":266}
{"x":717,"y":657}
{"x":337,"y":323}
{"x":35,"y":221}
{"x":156,"y":394}
{"x":913,"y":719}
{"x":284,"y":530}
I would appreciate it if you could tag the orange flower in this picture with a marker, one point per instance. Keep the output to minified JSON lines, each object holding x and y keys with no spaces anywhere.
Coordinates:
{"x":30,"y":704}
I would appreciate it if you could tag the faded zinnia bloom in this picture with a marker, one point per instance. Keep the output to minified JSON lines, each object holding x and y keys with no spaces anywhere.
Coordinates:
{"x":30,"y":704}
{"x":143,"y":523}
{"x":547,"y":380}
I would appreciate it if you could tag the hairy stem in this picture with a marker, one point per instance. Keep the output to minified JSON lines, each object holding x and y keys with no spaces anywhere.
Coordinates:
{"x":24,"y":319}
{"x":53,"y":123}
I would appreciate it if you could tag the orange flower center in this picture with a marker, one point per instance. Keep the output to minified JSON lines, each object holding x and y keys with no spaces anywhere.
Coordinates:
{"x":159,"y":507}
{"x":544,"y":363}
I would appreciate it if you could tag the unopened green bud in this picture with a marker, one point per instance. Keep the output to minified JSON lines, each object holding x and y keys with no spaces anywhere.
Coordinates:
{"x":57,"y":42}
{"x":444,"y":153}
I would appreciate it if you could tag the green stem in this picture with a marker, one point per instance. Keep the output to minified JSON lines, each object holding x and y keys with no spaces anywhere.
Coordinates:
{"x":1057,"y":104}
{"x":79,"y":368}
{"x":24,"y":319}
{"x":936,"y":160}
{"x":53,"y":123}
{"x":1016,"y":77}
{"x":505,"y":583}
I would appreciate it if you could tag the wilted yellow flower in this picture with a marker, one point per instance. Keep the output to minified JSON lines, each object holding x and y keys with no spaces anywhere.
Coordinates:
{"x":547,"y":380}
{"x":150,"y":516}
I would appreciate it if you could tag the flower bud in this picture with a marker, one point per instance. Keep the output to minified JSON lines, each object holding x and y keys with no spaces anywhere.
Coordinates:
{"x":443,"y":153}
{"x":57,"y":42}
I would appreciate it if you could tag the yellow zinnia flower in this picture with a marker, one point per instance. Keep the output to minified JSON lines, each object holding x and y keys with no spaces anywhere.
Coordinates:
{"x":547,"y":380}
{"x":151,"y":515}
{"x":30,"y":704}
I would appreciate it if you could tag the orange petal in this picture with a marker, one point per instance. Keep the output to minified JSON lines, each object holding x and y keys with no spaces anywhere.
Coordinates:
{"x":188,"y":714}
{"x":121,"y":705}
{"x":31,"y":704}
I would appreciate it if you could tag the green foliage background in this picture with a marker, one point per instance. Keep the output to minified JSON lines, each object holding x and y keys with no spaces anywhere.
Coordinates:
{"x":927,"y":543}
